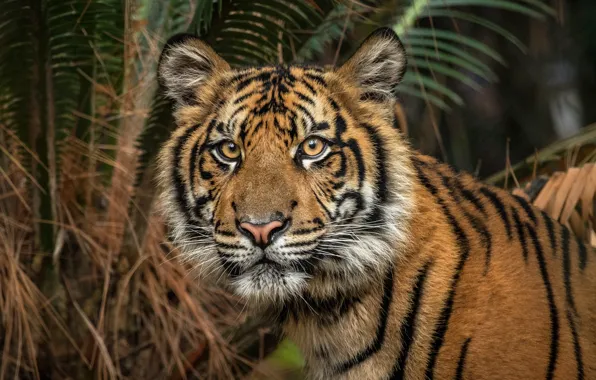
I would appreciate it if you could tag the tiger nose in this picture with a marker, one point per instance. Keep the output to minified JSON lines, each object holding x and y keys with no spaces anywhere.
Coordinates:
{"x":263,"y":234}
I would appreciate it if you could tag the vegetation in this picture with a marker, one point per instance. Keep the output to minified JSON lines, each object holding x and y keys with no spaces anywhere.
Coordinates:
{"x":89,"y":285}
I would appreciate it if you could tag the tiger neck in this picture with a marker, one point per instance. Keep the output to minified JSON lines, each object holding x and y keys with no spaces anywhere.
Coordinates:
{"x":332,"y":330}
{"x":338,"y":334}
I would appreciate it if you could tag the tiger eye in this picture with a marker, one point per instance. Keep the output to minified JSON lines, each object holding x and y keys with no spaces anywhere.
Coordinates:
{"x":229,"y":150}
{"x":313,"y":146}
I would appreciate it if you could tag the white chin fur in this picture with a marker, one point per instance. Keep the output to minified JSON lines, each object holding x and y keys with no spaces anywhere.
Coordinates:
{"x":269,"y":284}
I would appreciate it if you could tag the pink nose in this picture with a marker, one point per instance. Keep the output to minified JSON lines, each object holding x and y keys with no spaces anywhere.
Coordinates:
{"x":261,"y":233}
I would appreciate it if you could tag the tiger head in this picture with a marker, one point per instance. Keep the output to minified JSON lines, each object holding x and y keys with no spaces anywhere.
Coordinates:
{"x":283,"y":182}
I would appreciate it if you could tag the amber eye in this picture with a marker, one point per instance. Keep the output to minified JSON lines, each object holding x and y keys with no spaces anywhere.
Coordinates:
{"x":229,"y":150}
{"x":313,"y":146}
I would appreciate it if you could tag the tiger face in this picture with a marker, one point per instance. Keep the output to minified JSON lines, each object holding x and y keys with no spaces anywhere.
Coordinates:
{"x":284,"y":182}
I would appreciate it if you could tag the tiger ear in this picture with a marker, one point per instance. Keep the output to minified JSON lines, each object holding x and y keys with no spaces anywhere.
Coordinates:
{"x":378,"y":65}
{"x":185,"y":64}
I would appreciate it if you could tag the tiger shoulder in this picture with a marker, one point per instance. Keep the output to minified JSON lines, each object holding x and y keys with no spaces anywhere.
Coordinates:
{"x":291,"y":187}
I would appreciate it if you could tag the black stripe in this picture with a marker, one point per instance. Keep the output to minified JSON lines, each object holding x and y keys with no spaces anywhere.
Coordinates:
{"x":316,"y":78}
{"x":576,"y":347}
{"x":464,"y":251}
{"x":377,"y":343}
{"x":582,"y":253}
{"x":194,"y":155}
{"x":200,"y":203}
{"x":459,"y":372}
{"x":476,"y":223}
{"x":382,"y":192}
{"x":554,"y":314}
{"x":237,"y":111}
{"x":408,"y":326}
{"x":350,"y":195}
{"x":306,"y":231}
{"x":550,"y":227}
{"x":307,"y":114}
{"x":308,"y":86}
{"x":485,"y":237}
{"x":334,"y":104}
{"x":325,"y":311}
{"x":422,"y":178}
{"x":355,"y":148}
{"x":304,"y":97}
{"x":322,"y":126}
{"x":196,"y":151}
{"x":527,"y":208}
{"x":567,"y":269}
{"x":242,"y":98}
{"x":230,"y":246}
{"x":258,"y":77}
{"x":224,"y":233}
{"x":177,"y":176}
{"x":499,"y":206}
{"x":470,"y":196}
{"x":299,"y":244}
{"x":327,"y":212}
{"x":521,"y":232}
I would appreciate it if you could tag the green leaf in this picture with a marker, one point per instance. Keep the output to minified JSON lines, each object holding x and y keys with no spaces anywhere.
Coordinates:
{"x":458,"y":38}
{"x":409,"y":90}
{"x":480,"y":21}
{"x":500,"y":4}
{"x":422,"y":53}
{"x":423,"y":81}
{"x":445,"y":70}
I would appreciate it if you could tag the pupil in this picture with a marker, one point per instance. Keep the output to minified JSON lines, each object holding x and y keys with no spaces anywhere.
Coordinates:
{"x":312,"y":144}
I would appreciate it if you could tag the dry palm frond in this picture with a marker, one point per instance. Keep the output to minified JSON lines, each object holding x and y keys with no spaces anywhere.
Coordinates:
{"x":567,"y":196}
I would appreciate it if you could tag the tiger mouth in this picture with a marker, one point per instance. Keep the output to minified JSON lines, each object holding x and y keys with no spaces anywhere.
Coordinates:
{"x":264,"y":261}
{"x":266,"y":265}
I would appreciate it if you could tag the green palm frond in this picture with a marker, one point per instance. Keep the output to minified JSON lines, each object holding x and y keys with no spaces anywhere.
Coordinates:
{"x":48,"y":68}
{"x":441,"y":50}
{"x":15,"y":55}
{"x":258,"y":32}
{"x":339,"y":21}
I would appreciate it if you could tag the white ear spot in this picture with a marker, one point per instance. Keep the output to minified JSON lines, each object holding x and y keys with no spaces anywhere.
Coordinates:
{"x":378,"y":65}
{"x":186,"y":63}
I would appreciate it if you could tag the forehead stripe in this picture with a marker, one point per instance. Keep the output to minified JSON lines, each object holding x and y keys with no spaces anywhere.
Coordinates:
{"x":309,"y":86}
{"x":304,"y":98}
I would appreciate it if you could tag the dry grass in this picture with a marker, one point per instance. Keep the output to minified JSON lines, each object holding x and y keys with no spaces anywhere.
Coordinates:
{"x":99,"y":306}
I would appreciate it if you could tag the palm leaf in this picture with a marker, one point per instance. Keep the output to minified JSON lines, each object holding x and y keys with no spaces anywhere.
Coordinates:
{"x":436,"y":50}
{"x":47,"y":64}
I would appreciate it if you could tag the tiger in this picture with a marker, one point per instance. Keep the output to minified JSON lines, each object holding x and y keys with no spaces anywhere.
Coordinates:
{"x":293,"y":188}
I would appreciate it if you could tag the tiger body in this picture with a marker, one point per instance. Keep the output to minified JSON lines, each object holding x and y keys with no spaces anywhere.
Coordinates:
{"x":489,"y":288}
{"x":292,"y":187}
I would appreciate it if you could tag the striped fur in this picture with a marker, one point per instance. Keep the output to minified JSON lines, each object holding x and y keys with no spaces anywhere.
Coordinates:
{"x":393,"y":266}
